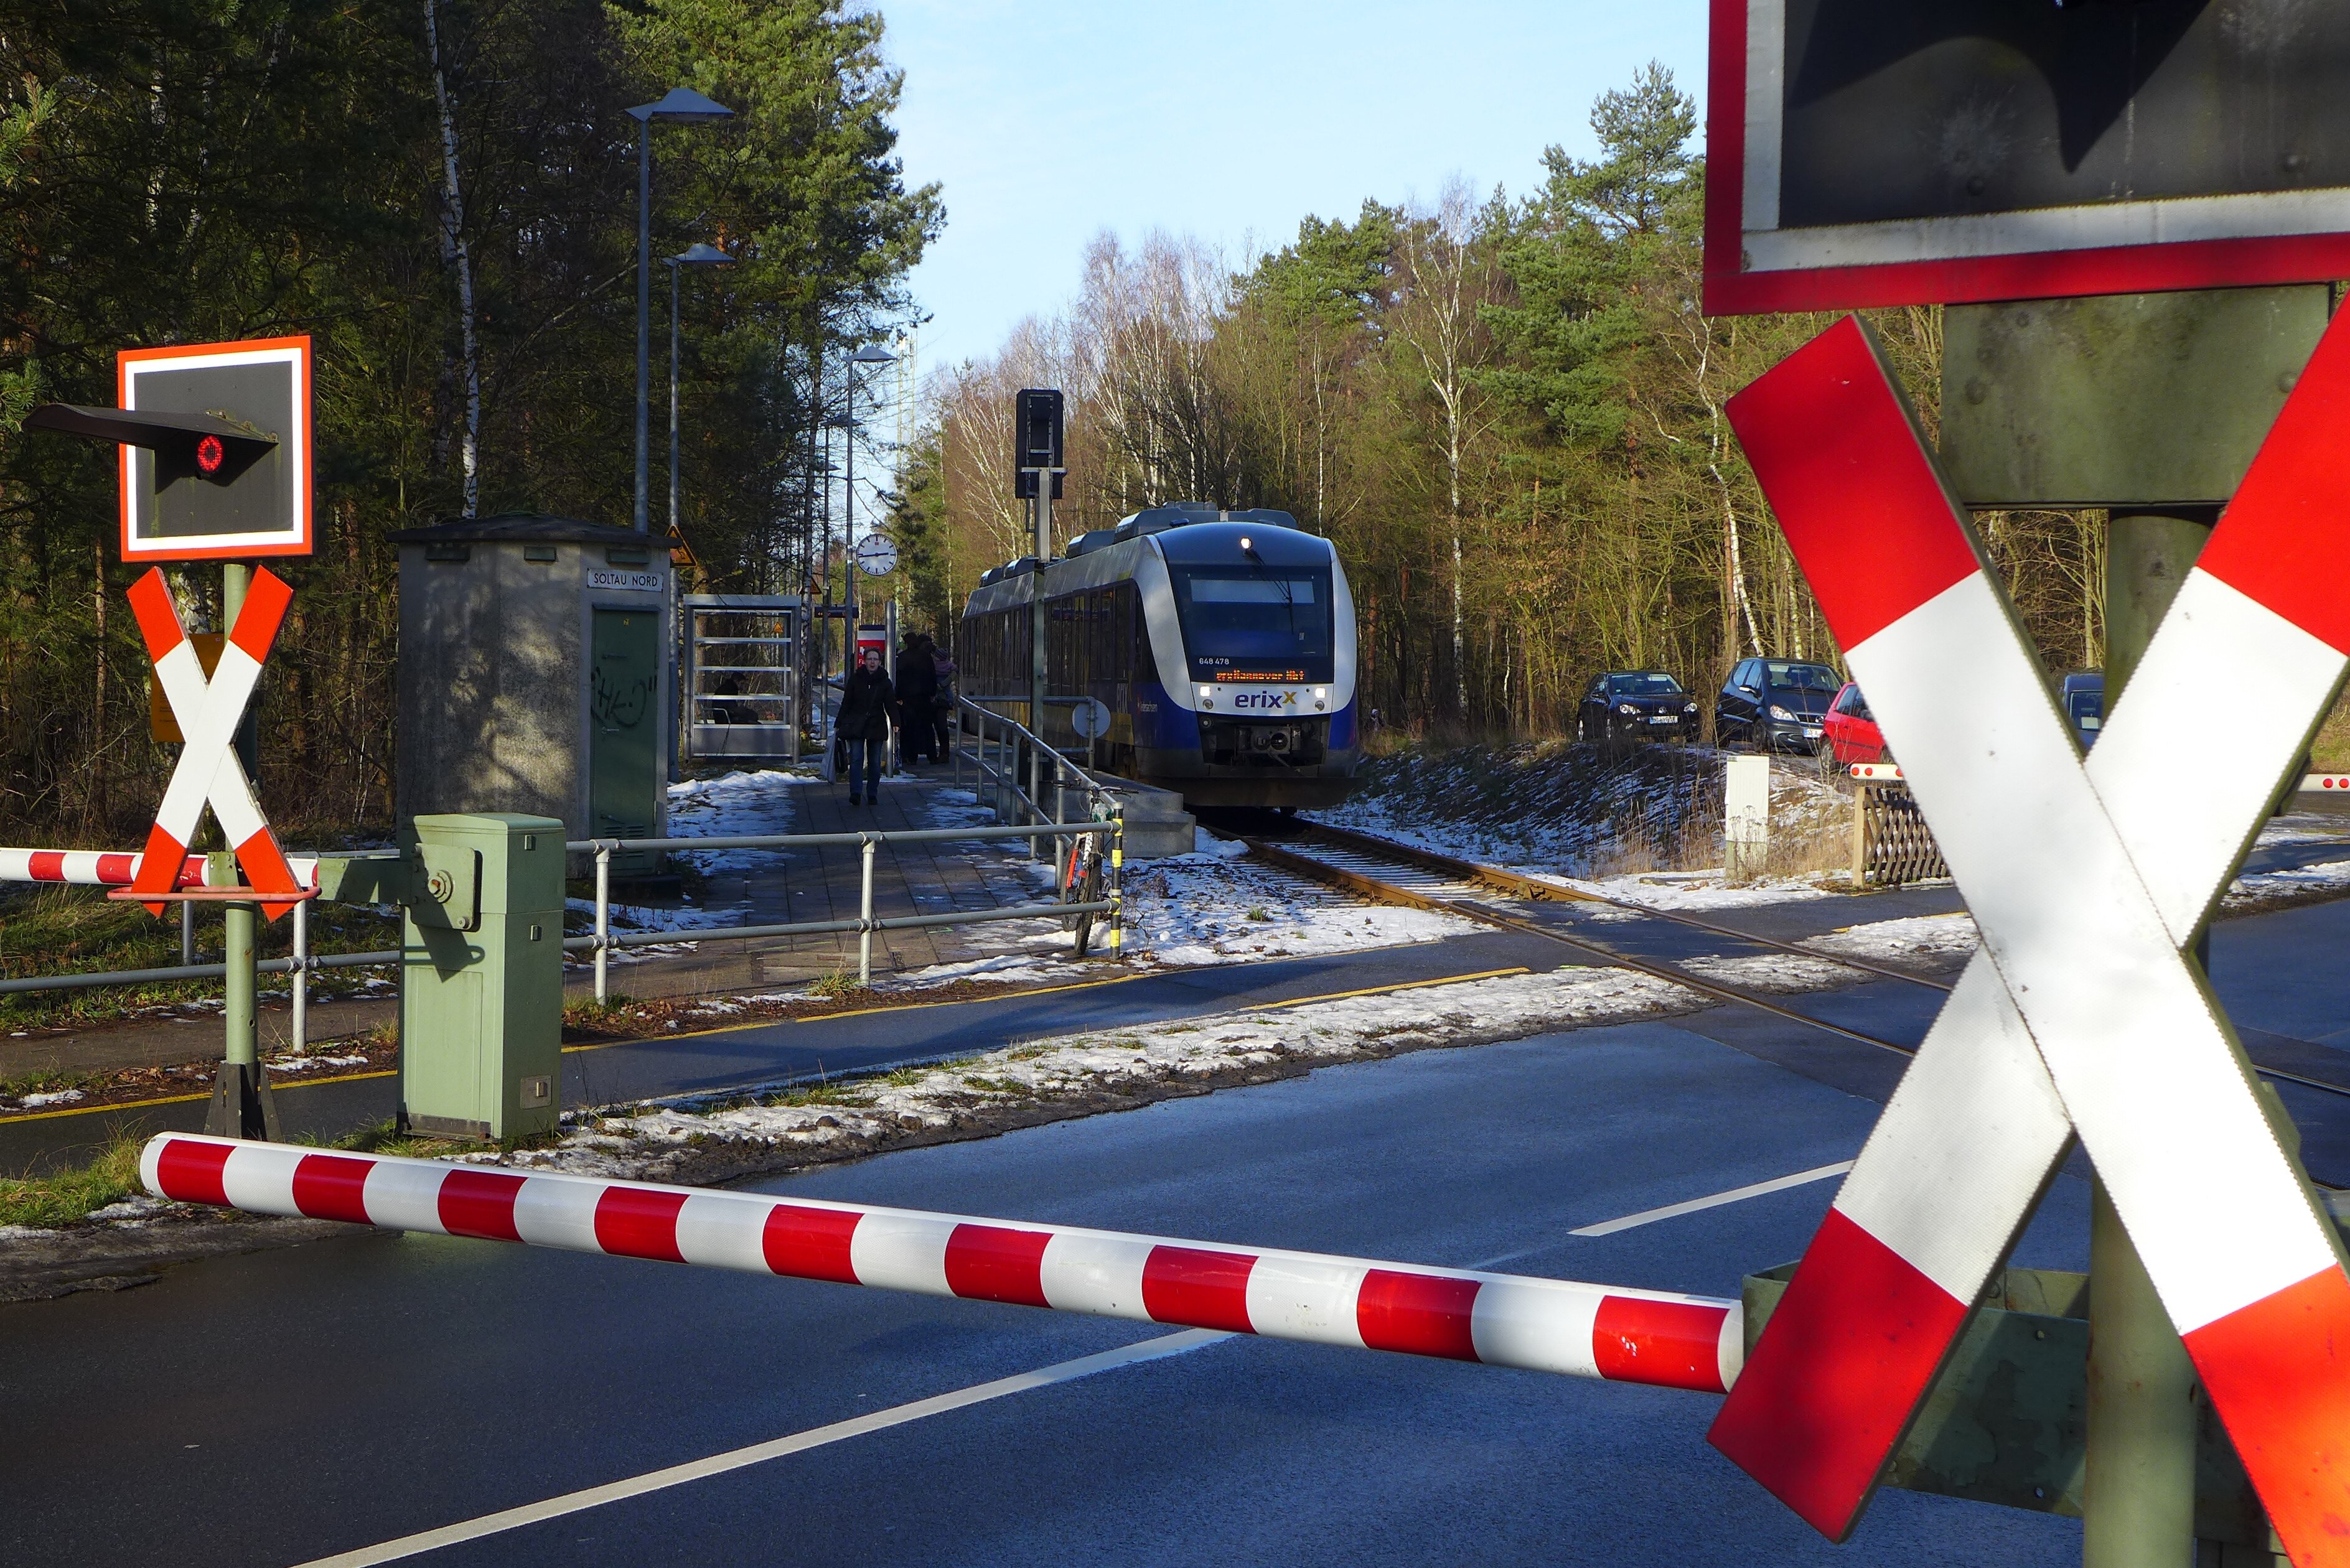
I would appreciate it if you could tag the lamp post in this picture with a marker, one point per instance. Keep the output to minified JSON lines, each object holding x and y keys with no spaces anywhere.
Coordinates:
{"x":693,"y":255}
{"x":686,"y":107}
{"x":871,"y":354}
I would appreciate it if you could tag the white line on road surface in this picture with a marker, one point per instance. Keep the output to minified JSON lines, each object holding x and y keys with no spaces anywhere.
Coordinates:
{"x":1674,"y":1210}
{"x":1696,"y":1204}
{"x":939,"y":1404}
{"x":759,"y":1453}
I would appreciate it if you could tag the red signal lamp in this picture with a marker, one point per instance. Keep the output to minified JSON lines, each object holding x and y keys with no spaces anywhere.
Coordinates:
{"x":210,"y":455}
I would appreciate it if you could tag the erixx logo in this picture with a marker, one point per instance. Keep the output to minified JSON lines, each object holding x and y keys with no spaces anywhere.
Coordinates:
{"x":1271,"y":702}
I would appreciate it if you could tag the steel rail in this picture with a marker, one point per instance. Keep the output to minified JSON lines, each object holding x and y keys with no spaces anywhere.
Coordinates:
{"x":1531,"y":888}
{"x":1387,"y":892}
{"x":1470,"y":870}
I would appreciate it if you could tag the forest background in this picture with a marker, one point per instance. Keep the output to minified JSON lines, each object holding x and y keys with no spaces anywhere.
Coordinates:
{"x":1507,"y":413}
{"x":442,"y":193}
{"x":1506,"y":410}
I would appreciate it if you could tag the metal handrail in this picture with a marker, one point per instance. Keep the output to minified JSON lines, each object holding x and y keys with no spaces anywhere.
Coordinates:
{"x":603,"y":940}
{"x":1097,"y":798}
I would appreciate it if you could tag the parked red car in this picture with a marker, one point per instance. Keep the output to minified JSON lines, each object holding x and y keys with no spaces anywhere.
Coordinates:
{"x":1850,"y":729}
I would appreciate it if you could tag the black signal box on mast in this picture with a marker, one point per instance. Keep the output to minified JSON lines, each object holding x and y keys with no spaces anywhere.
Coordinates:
{"x":1036,"y":430}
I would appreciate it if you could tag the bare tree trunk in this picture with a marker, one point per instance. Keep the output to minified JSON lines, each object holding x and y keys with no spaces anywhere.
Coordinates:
{"x":455,"y":252}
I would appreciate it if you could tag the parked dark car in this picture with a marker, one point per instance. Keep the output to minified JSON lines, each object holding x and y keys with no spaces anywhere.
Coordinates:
{"x":1850,"y":729}
{"x":2082,"y":698}
{"x":1642,"y":704}
{"x":1774,"y":704}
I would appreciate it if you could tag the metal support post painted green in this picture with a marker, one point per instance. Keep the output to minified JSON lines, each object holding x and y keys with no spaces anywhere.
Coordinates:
{"x":241,"y":1105}
{"x":2138,"y":1493}
{"x":481,"y":1006}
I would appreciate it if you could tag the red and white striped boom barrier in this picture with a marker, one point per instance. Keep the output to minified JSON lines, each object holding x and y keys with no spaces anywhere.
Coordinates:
{"x":1500,"y":1320}
{"x":116,"y":868}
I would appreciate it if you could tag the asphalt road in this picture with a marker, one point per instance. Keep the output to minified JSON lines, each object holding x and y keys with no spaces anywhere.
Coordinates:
{"x":285,"y":1406}
{"x":282,"y":1407}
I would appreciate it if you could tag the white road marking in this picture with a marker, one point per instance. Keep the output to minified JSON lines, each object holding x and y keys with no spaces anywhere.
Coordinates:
{"x":1674,"y":1210}
{"x":759,"y":1453}
{"x":1696,"y":1204}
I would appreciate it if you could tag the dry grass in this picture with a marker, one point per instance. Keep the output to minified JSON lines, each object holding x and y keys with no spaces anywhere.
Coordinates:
{"x":68,"y":1195}
{"x":2330,"y":753}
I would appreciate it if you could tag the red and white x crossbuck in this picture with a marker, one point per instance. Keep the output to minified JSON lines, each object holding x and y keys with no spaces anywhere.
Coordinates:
{"x":2080,"y":1014}
{"x":209,"y":713}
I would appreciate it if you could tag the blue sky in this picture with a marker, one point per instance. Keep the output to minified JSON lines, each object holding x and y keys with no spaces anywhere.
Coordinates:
{"x":1050,"y":120}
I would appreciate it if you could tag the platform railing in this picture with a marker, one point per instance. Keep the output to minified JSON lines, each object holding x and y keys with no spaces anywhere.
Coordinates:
{"x":603,"y":941}
{"x":998,"y":744}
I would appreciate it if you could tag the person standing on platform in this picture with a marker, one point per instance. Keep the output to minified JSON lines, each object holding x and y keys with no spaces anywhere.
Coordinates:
{"x":943,"y":718}
{"x":863,"y":724}
{"x":918,"y":682}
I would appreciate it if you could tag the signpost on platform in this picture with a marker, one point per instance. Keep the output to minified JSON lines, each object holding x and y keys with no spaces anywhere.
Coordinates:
{"x":2033,"y":168}
{"x":1037,"y":468}
{"x":215,"y":455}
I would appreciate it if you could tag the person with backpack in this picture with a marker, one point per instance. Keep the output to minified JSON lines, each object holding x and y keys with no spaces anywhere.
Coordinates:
{"x":918,"y":682}
{"x":863,"y":726}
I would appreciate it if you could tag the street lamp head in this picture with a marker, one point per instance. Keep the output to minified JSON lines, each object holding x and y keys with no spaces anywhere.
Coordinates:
{"x":702,"y":255}
{"x":874,"y":354}
{"x":684,"y":105}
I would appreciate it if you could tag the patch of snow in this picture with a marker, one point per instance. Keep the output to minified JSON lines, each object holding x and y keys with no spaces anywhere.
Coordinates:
{"x":24,"y":1233}
{"x":305,"y":1063}
{"x":636,"y":1142}
{"x":1919,"y":936}
{"x":2259,"y":888}
{"x":1206,"y":842}
{"x":1780,"y":972}
{"x":54,"y":1097}
{"x":131,"y":1209}
{"x":1694,"y":889}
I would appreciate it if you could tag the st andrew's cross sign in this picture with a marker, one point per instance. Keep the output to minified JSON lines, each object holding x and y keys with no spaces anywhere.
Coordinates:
{"x":1876,"y":153}
{"x":2080,"y":1017}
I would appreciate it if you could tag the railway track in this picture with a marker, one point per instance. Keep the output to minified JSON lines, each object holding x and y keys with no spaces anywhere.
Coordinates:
{"x":1384,"y":871}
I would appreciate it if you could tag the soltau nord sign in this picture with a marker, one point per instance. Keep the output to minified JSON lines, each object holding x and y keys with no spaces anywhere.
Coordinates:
{"x":1878,"y":152}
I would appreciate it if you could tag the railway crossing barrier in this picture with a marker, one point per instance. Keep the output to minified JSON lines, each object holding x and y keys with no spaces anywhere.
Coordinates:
{"x":2080,"y":1017}
{"x":1653,"y":1337}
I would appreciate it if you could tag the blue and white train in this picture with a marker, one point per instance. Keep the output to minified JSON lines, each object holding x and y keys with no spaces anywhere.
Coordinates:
{"x":1223,"y":644}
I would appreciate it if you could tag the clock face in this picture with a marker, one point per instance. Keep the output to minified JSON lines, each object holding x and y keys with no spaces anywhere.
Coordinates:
{"x":877,"y":555}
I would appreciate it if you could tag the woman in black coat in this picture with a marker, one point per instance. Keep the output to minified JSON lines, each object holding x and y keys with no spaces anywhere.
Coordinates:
{"x":918,"y":682}
{"x":863,"y":723}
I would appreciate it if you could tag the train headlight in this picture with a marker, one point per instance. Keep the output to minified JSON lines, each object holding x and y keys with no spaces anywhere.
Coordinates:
{"x":1321,"y":697}
{"x":1207,"y":696}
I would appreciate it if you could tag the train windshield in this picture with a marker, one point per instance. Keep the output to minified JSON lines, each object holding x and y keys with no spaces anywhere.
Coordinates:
{"x":1261,"y":623}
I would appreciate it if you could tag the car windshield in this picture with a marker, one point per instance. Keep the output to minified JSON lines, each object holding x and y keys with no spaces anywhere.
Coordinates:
{"x":1255,"y":623}
{"x":1785,"y":677}
{"x":1648,"y":683}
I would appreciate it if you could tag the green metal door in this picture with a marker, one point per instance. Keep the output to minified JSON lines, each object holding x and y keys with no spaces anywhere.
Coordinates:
{"x":623,"y":733}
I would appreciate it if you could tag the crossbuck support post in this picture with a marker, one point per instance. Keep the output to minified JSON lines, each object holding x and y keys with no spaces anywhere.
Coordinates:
{"x":2138,"y":1494}
{"x":240,"y":1105}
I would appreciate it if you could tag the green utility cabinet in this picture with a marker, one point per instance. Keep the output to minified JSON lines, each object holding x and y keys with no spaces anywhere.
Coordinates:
{"x":480,"y":998}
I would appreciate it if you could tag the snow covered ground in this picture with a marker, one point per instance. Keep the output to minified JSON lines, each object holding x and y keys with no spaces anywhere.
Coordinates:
{"x":645,"y":1143}
{"x":1928,"y":937}
{"x":1203,"y":908}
